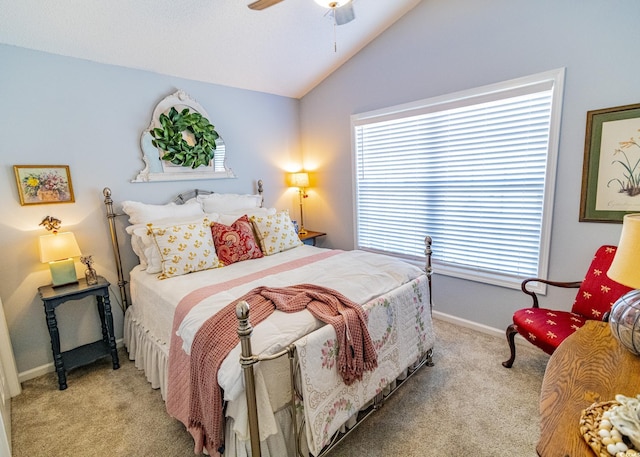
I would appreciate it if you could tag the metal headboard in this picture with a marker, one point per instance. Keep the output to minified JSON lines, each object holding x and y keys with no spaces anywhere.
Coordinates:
{"x":111,"y":215}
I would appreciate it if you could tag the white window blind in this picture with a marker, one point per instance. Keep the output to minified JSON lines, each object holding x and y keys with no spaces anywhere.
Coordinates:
{"x":471,"y":170}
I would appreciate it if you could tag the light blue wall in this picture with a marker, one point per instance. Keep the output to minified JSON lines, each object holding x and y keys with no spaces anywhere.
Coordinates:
{"x":443,"y":47}
{"x":57,"y":110}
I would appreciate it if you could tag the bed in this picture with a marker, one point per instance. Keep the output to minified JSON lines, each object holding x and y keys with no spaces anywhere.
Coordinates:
{"x":287,"y":386}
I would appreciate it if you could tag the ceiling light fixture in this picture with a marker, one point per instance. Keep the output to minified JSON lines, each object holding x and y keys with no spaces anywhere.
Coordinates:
{"x":332,"y":3}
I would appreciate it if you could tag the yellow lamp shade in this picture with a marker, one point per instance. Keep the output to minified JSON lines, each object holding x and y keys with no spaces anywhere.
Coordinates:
{"x":625,"y":267}
{"x":299,"y":179}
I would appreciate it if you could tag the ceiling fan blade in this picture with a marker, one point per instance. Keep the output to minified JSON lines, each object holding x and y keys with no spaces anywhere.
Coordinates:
{"x":262,"y":4}
{"x":344,"y":14}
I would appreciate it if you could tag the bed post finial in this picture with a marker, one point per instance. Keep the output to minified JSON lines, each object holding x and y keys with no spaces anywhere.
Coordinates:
{"x":428,"y":269}
{"x":246,"y":361}
{"x":261,"y":192}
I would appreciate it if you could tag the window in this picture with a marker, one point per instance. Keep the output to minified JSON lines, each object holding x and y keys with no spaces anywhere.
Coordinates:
{"x":474,"y":170}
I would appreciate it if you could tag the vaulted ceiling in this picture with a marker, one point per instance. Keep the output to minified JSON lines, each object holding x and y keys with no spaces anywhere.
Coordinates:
{"x":286,"y":49}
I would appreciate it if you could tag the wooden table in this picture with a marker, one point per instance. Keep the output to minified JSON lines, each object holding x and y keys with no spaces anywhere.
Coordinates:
{"x":589,"y":366}
{"x":310,"y":237}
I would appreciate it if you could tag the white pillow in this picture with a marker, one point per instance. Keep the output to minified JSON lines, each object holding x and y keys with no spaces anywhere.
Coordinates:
{"x":227,"y":203}
{"x":143,"y":213}
{"x":146,"y":250}
{"x":137,"y":244}
{"x":230,"y":218}
{"x":275,"y":232}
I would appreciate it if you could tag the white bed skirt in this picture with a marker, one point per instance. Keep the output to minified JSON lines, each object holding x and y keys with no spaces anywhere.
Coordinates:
{"x":152,"y":356}
{"x":148,"y":353}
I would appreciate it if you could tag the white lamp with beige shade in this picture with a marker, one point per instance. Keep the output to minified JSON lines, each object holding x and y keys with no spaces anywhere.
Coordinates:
{"x":58,"y":249}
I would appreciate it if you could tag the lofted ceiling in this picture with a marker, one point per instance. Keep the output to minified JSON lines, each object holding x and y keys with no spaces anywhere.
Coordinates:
{"x":286,"y":49}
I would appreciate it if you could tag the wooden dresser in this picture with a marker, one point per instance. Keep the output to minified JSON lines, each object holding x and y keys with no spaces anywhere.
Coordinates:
{"x":589,"y":366}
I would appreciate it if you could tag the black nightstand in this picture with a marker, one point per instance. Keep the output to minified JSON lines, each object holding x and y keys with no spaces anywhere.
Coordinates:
{"x":88,"y":353}
{"x":310,"y":237}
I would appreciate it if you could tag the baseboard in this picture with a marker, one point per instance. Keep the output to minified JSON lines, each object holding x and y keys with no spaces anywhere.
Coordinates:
{"x":48,"y":368}
{"x":476,"y":326}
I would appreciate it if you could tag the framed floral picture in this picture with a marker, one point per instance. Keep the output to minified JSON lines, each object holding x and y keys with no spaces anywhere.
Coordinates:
{"x":40,"y":184}
{"x":611,"y":167}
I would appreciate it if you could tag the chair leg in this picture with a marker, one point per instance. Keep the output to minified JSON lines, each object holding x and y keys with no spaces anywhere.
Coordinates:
{"x":511,"y":339}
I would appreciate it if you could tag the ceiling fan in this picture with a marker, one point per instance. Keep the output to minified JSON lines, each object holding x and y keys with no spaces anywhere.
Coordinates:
{"x":341,"y":11}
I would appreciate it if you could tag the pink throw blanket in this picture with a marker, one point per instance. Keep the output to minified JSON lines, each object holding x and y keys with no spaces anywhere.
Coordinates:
{"x":178,"y":386}
{"x":213,"y":341}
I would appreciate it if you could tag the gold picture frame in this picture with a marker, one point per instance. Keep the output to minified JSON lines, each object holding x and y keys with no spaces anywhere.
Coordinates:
{"x":611,"y":167}
{"x":44,"y":184}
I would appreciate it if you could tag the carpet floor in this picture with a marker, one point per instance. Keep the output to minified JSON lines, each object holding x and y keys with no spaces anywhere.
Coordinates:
{"x":467,"y":404}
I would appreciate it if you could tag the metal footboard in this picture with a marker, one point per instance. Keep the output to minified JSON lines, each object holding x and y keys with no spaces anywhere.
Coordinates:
{"x":248,"y":360}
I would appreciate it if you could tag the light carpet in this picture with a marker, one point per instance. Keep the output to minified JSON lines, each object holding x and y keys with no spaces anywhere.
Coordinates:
{"x":466,"y":404}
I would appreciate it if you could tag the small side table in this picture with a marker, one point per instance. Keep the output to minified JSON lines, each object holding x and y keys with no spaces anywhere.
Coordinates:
{"x":52,"y":297}
{"x":310,"y":237}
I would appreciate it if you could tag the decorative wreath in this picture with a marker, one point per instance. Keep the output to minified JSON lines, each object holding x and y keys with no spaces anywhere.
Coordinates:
{"x":176,"y":149}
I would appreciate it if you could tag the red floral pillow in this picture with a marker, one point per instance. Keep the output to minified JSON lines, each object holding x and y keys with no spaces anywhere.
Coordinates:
{"x":235,"y":242}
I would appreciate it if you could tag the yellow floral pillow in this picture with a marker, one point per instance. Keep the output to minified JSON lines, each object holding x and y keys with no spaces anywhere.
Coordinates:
{"x":185,"y":248}
{"x":275,"y":232}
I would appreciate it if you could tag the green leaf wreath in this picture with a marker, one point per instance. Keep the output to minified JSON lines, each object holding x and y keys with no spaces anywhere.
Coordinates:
{"x":176,"y":150}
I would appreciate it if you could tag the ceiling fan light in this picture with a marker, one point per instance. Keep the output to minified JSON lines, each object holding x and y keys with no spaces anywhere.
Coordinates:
{"x":332,"y":3}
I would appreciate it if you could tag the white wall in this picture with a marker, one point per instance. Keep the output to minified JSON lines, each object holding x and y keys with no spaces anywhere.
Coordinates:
{"x":446,"y":46}
{"x":58,"y":110}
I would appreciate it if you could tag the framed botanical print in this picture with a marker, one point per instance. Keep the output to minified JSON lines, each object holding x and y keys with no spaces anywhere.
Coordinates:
{"x":611,"y":168}
{"x":40,"y":184}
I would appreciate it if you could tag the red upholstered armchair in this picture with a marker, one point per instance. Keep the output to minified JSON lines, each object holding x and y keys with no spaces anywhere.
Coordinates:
{"x":547,"y":328}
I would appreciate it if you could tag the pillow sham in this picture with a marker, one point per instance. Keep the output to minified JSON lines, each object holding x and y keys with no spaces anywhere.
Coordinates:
{"x":227,"y":203}
{"x":144,"y":246}
{"x":185,"y":248}
{"x":236,"y":242}
{"x":276,"y":233}
{"x":143,"y":213}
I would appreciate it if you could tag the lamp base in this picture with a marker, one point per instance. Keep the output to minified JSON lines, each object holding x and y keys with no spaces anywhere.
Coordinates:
{"x":302,"y":231}
{"x":63,"y":272}
{"x":625,"y":321}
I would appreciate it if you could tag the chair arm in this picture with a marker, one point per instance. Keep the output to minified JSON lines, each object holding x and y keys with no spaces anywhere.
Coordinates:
{"x":534,"y":297}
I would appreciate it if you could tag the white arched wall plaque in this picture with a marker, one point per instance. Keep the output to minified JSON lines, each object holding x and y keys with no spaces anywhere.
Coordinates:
{"x":156,"y":169}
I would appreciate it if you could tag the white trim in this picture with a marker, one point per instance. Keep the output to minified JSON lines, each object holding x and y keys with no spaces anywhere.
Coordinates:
{"x":454,"y":99}
{"x":7,"y":359}
{"x":550,"y":80}
{"x":479,"y":327}
{"x":9,"y":384}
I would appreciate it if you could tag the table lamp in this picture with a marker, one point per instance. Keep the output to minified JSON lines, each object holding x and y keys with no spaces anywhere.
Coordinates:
{"x":625,"y":269}
{"x":57,"y":249}
{"x":300,"y":180}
